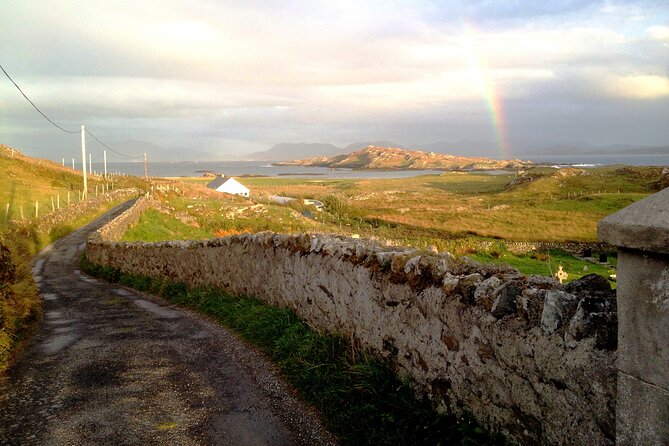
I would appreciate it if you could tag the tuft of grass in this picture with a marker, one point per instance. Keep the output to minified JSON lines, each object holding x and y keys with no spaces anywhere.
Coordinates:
{"x":361,"y":399}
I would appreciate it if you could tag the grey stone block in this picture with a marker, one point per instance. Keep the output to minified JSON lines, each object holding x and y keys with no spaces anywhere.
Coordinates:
{"x":642,"y":225}
{"x":642,"y":413}
{"x":643,"y":316}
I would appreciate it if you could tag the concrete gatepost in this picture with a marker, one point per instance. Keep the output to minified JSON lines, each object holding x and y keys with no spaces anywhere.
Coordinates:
{"x":641,"y":231}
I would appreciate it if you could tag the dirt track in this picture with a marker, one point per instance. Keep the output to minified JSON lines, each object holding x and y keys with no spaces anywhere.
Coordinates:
{"x":113,"y":366}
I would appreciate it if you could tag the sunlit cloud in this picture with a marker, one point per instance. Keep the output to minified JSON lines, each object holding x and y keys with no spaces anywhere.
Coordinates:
{"x":259,"y":70}
{"x":639,"y":87}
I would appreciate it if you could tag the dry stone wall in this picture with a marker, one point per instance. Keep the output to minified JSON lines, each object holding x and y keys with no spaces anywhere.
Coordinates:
{"x":115,"y":229}
{"x":73,"y":211}
{"x":523,"y":354}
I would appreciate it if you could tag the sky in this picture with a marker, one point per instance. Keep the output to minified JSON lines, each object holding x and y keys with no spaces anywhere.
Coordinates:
{"x":234,"y":77}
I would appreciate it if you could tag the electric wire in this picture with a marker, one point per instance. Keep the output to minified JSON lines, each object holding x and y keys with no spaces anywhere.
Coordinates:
{"x":118,"y":153}
{"x":59,"y":127}
{"x":33,"y":104}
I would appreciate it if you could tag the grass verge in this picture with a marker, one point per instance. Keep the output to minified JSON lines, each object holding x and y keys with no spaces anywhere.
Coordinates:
{"x":362,"y":401}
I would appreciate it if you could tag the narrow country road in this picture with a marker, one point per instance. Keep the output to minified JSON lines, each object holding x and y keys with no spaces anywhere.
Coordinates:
{"x":111,"y":366}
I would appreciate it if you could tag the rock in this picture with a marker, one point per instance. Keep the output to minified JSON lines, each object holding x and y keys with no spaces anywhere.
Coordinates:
{"x":450,"y":283}
{"x":362,"y":251}
{"x":385,"y":258}
{"x":484,"y":292}
{"x":588,"y":285}
{"x":557,"y":306}
{"x":399,"y":261}
{"x":433,"y":249}
{"x":316,"y":244}
{"x":542,"y":282}
{"x":303,"y":242}
{"x":531,"y":304}
{"x":426,"y":265}
{"x":331,"y":247}
{"x":412,"y":265}
{"x":594,"y":317}
{"x":467,"y":285}
{"x":505,"y":300}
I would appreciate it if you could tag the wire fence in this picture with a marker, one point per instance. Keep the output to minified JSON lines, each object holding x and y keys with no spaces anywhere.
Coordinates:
{"x":24,"y":200}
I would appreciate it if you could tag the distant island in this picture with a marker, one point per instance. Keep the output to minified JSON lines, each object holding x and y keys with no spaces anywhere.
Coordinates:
{"x":380,"y":158}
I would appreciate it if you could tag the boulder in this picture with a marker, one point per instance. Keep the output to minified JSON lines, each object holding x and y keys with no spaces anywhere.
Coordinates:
{"x":467,"y":286}
{"x":588,"y":285}
{"x":531,"y":304}
{"x":557,"y":306}
{"x":542,"y":282}
{"x":505,"y":299}
{"x":484,"y":292}
{"x":594,"y":317}
{"x":450,"y":283}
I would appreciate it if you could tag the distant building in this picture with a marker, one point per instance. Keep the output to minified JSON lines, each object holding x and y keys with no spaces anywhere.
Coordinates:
{"x":229,"y":185}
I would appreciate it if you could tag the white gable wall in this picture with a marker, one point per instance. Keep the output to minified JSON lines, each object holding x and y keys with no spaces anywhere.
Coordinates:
{"x":233,"y":187}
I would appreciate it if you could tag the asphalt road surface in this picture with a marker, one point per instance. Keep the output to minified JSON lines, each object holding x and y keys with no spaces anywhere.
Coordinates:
{"x":112,"y":366}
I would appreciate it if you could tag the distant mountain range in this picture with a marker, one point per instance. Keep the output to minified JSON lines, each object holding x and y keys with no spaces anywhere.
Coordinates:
{"x":374,"y":157}
{"x":297,"y":151}
{"x":154,"y":152}
{"x":288,"y":151}
{"x":614,"y":149}
{"x":469,"y":148}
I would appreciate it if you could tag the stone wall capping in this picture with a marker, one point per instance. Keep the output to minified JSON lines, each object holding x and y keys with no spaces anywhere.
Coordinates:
{"x":643,"y":225}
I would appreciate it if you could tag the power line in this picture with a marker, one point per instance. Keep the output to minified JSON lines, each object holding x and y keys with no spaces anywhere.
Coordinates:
{"x":61,"y":128}
{"x":33,"y":104}
{"x":118,"y":153}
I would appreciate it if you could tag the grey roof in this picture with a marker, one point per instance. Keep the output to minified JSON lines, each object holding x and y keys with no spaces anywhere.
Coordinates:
{"x":218,"y":182}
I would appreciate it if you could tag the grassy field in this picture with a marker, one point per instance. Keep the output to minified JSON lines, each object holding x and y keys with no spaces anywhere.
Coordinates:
{"x":554,"y":207}
{"x":25,"y":180}
{"x":470,"y":214}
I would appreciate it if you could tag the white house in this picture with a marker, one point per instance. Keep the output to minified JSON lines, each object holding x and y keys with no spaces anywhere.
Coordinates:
{"x":229,"y":185}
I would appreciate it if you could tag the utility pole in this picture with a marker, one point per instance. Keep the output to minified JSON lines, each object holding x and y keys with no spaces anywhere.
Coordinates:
{"x":83,"y":159}
{"x":146,"y":168}
{"x":104,"y":157}
{"x":72,"y":163}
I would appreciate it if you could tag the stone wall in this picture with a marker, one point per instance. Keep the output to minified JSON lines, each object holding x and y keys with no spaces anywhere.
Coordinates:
{"x":523,"y":354}
{"x":69,"y":213}
{"x":115,"y":229}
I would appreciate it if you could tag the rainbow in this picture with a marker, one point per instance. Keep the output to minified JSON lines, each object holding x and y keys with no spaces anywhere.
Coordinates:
{"x":480,"y":68}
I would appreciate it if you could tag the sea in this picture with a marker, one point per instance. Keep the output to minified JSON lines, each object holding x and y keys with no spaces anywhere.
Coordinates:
{"x":265,"y":168}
